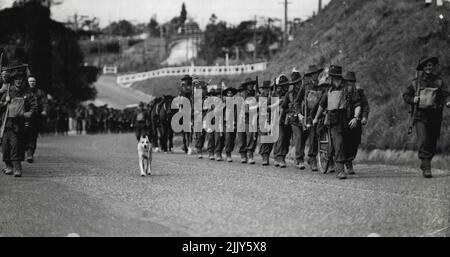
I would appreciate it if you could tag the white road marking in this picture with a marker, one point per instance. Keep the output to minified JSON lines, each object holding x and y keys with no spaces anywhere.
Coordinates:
{"x":373,"y":235}
{"x":73,"y":235}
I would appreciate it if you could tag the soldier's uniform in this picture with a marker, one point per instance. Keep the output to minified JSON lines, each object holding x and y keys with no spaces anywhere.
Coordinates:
{"x":33,"y":125}
{"x":338,"y":101}
{"x":141,"y":121}
{"x":265,"y":149}
{"x":79,"y":118}
{"x":200,"y":137}
{"x":281,"y":147}
{"x":433,"y":96}
{"x":247,"y":140}
{"x":185,"y":90}
{"x":210,"y":134}
{"x":354,"y":135}
{"x":230,"y":136}
{"x":219,"y":137}
{"x":21,"y":105}
{"x":306,"y":104}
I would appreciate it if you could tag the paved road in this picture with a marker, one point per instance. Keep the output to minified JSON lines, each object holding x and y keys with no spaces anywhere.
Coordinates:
{"x":108,"y":92}
{"x":89,"y":185}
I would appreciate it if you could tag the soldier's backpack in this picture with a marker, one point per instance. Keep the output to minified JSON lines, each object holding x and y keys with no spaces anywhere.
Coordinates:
{"x":336,"y":100}
{"x":429,"y":95}
{"x":16,"y":108}
{"x":313,"y":98}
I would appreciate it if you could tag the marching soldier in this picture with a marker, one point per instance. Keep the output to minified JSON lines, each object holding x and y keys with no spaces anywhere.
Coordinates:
{"x":428,"y":95}
{"x":354,"y":137}
{"x":307,"y":104}
{"x":339,"y":102}
{"x":185,"y":90}
{"x":210,"y":134}
{"x":79,"y":118}
{"x":247,"y":140}
{"x":293,"y":115}
{"x":140,"y":121}
{"x":266,"y":148}
{"x":199,"y":137}
{"x":230,"y":136}
{"x":34,"y":123}
{"x":220,"y":136}
{"x":281,"y":147}
{"x":19,"y":105}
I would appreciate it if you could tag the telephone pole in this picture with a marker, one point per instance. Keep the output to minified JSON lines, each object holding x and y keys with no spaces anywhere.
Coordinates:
{"x":320,"y":6}
{"x":254,"y":39}
{"x":285,"y":36}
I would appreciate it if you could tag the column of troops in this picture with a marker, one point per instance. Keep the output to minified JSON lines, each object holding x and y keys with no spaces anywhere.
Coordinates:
{"x":322,"y":106}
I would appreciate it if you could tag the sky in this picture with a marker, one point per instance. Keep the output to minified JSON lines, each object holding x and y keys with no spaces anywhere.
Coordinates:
{"x":231,"y":11}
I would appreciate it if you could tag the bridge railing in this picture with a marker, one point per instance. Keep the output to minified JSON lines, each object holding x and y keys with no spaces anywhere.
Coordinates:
{"x":193,"y":70}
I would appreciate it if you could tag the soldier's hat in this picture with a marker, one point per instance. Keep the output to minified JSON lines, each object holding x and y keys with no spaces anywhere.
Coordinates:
{"x":212,"y":90}
{"x":248,"y":82}
{"x":186,"y":78}
{"x":350,"y":76}
{"x":266,"y":84}
{"x":229,"y":89}
{"x":424,"y":60}
{"x":241,"y":87}
{"x":295,"y":75}
{"x":312,"y":69}
{"x":280,"y":80}
{"x":335,"y":71}
{"x":16,"y":73}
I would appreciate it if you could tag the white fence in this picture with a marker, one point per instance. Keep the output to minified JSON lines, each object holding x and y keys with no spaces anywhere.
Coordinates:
{"x":110,"y":70}
{"x":192,"y":70}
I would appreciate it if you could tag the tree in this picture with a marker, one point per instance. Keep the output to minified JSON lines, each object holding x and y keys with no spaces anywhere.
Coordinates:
{"x":52,"y":51}
{"x":153,"y":27}
{"x":183,"y":14}
{"x":122,"y":28}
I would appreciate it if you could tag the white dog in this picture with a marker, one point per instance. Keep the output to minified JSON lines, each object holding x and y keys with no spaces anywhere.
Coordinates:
{"x":144,"y":148}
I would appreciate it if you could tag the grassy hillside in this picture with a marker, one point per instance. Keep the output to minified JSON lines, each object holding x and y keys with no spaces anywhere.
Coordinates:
{"x":382,"y":41}
{"x":139,"y":57}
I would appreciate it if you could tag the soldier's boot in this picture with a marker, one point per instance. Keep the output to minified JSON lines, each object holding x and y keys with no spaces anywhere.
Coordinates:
{"x":229,"y":158}
{"x":219,"y":157}
{"x":277,"y":162}
{"x":17,"y":169}
{"x":332,"y":168}
{"x":265,"y":160}
{"x":30,"y":156}
{"x":313,"y":165}
{"x":300,"y":165}
{"x":244,"y":158}
{"x":211,"y":156}
{"x":251,"y":159}
{"x":199,"y":154}
{"x":340,"y":171}
{"x":350,"y":169}
{"x":283,"y":163}
{"x":8,"y":170}
{"x":426,"y":168}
